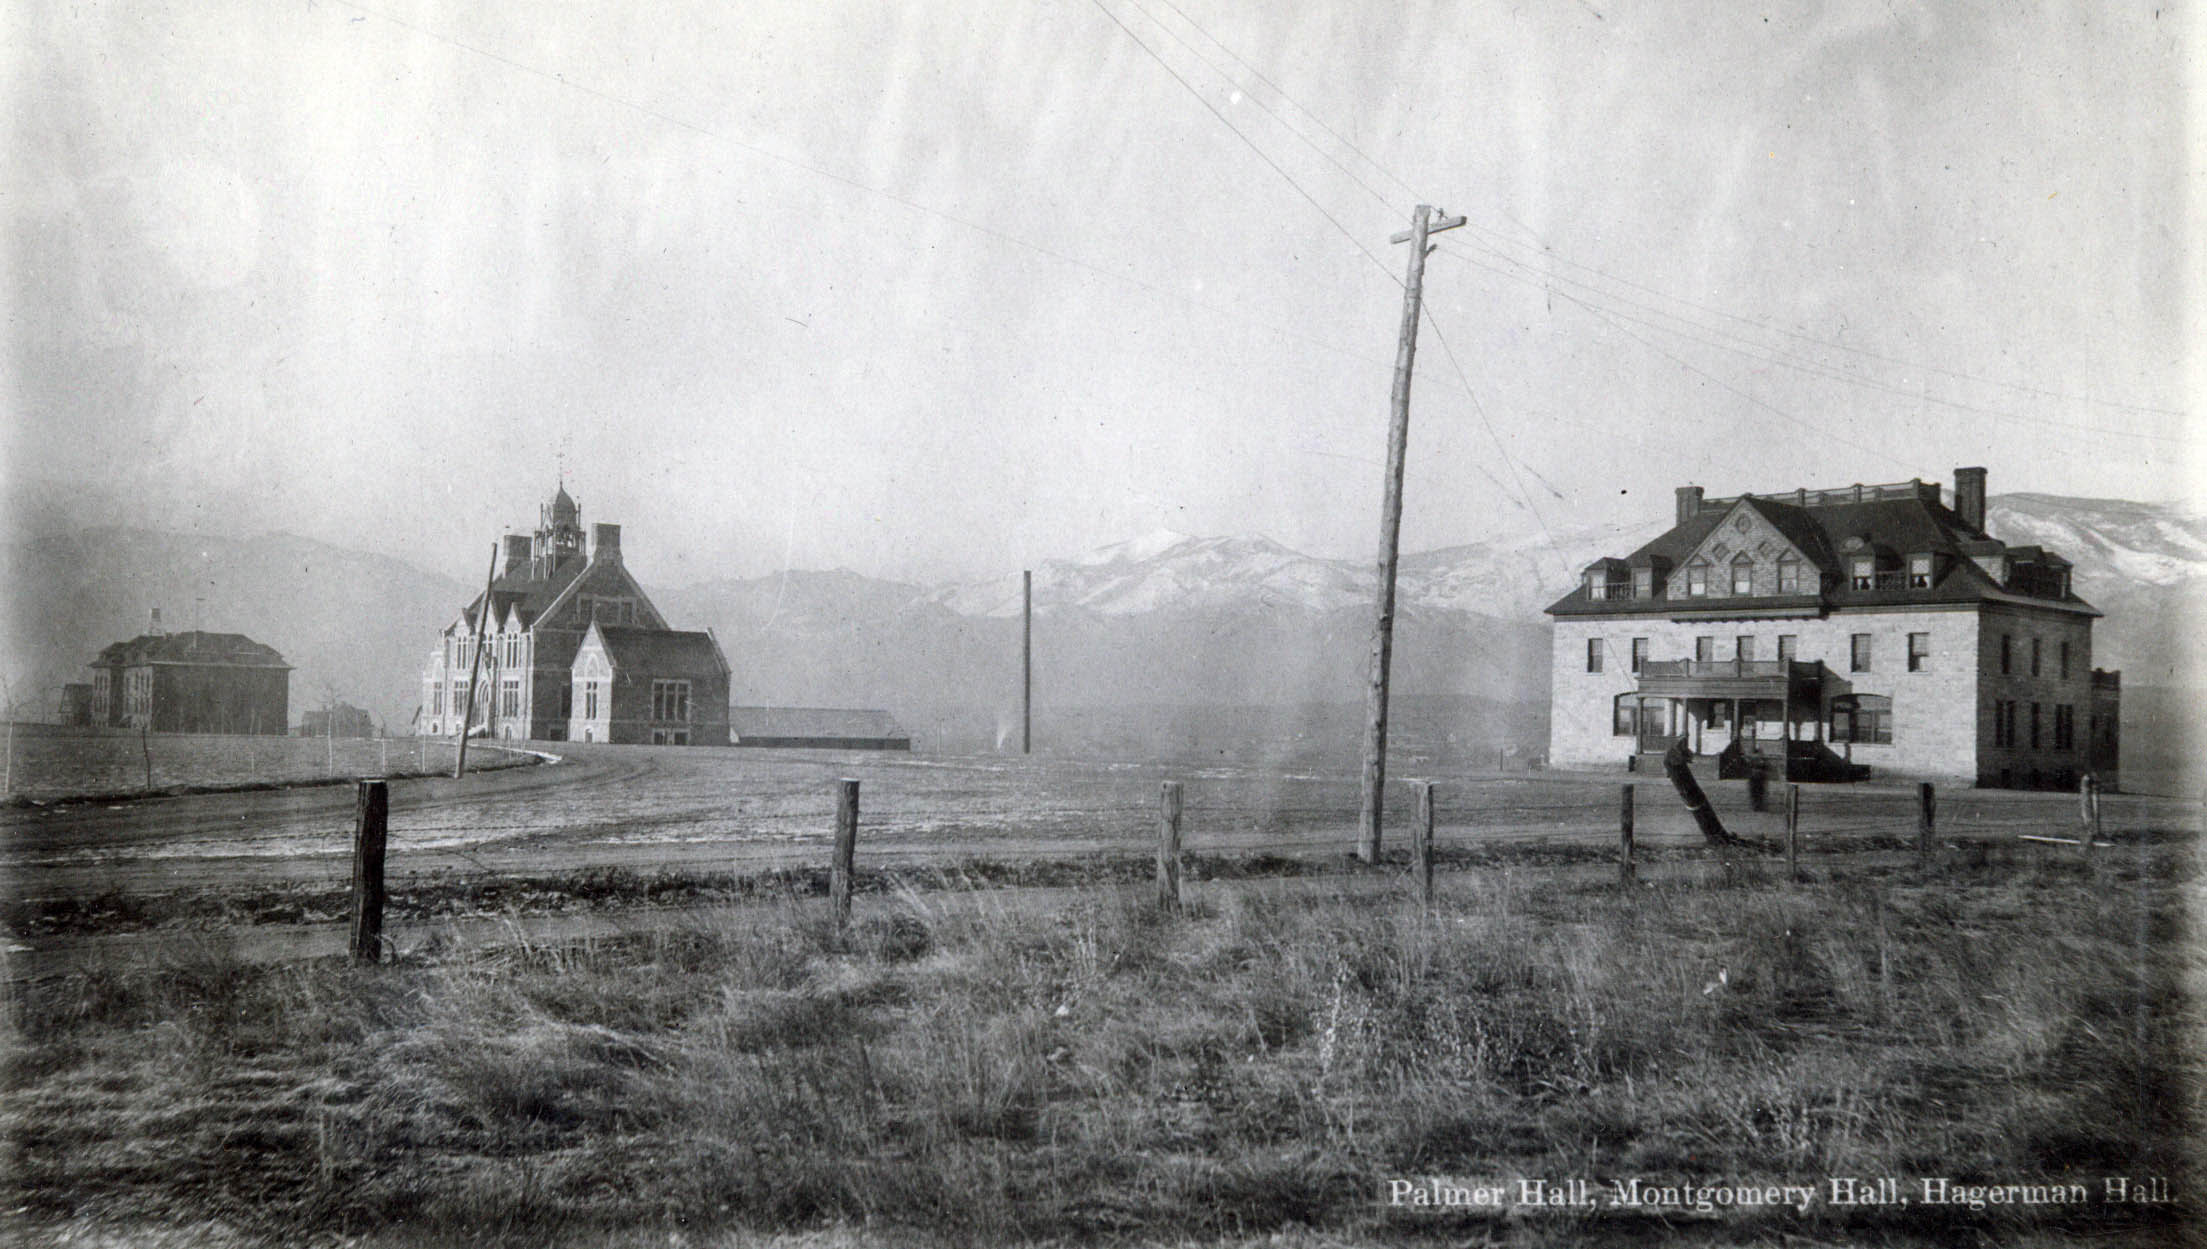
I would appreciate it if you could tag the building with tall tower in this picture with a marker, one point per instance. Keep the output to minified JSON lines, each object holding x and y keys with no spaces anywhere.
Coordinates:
{"x":553,"y":592}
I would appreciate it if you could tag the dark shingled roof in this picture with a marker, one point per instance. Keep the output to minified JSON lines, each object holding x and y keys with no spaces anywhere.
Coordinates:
{"x":818,"y":722}
{"x":191,"y":647}
{"x":661,"y":650}
{"x":1903,"y":526}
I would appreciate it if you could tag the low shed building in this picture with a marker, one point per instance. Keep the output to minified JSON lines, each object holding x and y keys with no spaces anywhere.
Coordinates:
{"x":817,"y":728}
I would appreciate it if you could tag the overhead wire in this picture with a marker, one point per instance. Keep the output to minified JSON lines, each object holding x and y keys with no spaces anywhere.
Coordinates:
{"x":925,"y":209}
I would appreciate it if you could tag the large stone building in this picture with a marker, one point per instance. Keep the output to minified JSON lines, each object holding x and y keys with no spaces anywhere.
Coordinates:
{"x":1867,"y":630}
{"x":551,"y":594}
{"x":191,"y":682}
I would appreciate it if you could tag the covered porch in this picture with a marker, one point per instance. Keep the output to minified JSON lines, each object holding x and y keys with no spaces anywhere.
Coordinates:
{"x":1742,"y":711}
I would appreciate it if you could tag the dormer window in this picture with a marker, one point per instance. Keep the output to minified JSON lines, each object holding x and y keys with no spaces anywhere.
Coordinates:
{"x":1743,"y":575}
{"x":1919,"y":572}
{"x":1697,"y":580}
{"x":1865,"y":572}
{"x":1789,"y":574}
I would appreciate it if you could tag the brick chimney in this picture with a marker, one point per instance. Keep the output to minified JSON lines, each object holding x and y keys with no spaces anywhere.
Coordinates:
{"x":605,"y":543}
{"x":1969,"y":497}
{"x":153,"y":624}
{"x":517,"y":554}
{"x":1689,"y":502}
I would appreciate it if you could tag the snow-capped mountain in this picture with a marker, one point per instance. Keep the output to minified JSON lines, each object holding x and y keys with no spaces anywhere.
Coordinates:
{"x":1163,"y":618}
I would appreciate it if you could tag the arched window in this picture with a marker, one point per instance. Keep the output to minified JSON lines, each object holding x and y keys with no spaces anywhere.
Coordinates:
{"x":1862,"y":718}
{"x":1743,"y":574}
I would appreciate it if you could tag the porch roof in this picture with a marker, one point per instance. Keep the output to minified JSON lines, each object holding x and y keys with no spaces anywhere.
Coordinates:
{"x":1731,"y":678}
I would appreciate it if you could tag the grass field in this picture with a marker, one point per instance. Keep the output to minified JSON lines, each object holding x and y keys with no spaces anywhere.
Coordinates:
{"x":47,"y":764}
{"x":1259,"y":1067}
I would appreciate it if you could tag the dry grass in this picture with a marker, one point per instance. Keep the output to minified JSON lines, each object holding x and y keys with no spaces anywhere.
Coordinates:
{"x":983,"y":1073}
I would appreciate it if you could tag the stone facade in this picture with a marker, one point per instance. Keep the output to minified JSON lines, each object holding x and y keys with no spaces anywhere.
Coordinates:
{"x":1915,"y":645}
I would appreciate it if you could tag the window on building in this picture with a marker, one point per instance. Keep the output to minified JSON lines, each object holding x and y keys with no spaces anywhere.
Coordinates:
{"x":1862,"y":718}
{"x":1786,"y":644}
{"x":2034,"y":656}
{"x":1639,"y":654}
{"x":2065,"y":659}
{"x":2007,"y":653}
{"x":1858,"y":653}
{"x":1625,"y":716}
{"x":2034,"y":726}
{"x":590,"y":700}
{"x":1919,"y":652}
{"x":1865,"y":572}
{"x":1697,"y":579}
{"x":1705,"y":649}
{"x":670,"y":700}
{"x":509,"y":697}
{"x":1789,"y":574}
{"x":1744,"y":646}
{"x":436,"y":700}
{"x":1919,"y":572}
{"x":2065,"y":727}
{"x":2003,"y":722}
{"x":1743,"y":575}
{"x":1720,"y":714}
{"x":1593,"y":654}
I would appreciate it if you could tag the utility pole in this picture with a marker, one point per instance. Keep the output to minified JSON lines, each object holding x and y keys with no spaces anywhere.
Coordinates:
{"x":1390,"y":532}
{"x":482,"y":622}
{"x":1026,"y":661}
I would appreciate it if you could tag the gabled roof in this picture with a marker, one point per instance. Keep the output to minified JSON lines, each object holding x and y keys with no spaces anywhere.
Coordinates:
{"x":233,"y":650}
{"x":659,"y":651}
{"x":1904,"y":526}
{"x":818,"y":722}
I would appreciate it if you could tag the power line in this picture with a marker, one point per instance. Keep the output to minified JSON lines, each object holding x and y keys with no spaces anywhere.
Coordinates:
{"x":1213,"y":110}
{"x":914,"y":205}
{"x":1257,"y":100}
{"x":1548,"y":253}
{"x":1780,"y":413}
{"x":1769,"y":354}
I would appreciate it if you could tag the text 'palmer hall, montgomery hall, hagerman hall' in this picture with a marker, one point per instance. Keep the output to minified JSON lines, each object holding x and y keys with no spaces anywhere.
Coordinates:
{"x":1865,"y":630}
{"x":573,"y":650}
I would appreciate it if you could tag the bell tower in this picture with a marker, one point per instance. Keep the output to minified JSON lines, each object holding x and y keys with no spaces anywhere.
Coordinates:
{"x":559,"y":532}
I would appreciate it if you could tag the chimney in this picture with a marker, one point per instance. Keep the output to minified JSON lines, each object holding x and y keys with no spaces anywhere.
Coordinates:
{"x":1969,"y":497}
{"x":605,"y":543}
{"x":517,"y":554}
{"x":1689,"y":502}
{"x":153,"y":624}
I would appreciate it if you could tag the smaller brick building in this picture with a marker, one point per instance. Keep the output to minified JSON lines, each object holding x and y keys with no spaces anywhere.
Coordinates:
{"x":640,"y":686}
{"x":192,"y":682}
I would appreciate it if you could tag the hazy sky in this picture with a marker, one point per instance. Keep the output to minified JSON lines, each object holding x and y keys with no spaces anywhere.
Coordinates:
{"x":947,"y":288}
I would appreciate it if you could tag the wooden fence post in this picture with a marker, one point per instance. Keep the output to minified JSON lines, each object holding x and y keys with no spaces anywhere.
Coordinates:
{"x":1625,"y":870}
{"x":2088,"y":823}
{"x":846,"y":850}
{"x":1793,"y":833}
{"x":1927,"y":822}
{"x":371,"y":816}
{"x":1168,"y":845}
{"x":1758,"y":787}
{"x":1422,"y":848}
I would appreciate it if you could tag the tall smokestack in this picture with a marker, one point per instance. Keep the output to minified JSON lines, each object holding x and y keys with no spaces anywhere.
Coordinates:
{"x":1969,"y":497}
{"x":1689,"y":502}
